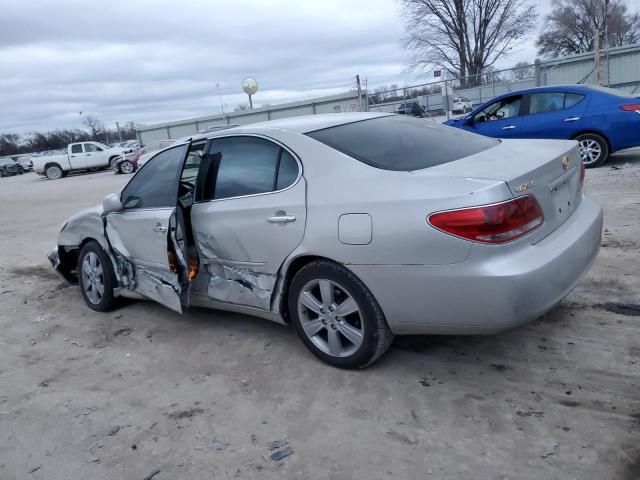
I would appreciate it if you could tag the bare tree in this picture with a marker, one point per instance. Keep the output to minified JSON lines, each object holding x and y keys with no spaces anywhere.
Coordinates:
{"x":570,"y":27}
{"x":95,"y":126}
{"x":522,"y":70}
{"x":465,"y":36}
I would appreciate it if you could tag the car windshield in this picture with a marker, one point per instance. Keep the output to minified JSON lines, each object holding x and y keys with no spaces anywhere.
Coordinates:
{"x":402,"y":143}
{"x":6,"y":161}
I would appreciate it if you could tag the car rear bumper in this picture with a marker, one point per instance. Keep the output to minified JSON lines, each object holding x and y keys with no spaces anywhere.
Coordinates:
{"x":488,"y":293}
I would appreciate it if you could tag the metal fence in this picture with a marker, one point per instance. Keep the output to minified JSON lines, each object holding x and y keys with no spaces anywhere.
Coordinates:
{"x":620,"y":68}
{"x":347,"y":102}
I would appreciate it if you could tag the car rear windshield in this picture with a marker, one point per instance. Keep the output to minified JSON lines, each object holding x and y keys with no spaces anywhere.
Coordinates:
{"x":401,"y":143}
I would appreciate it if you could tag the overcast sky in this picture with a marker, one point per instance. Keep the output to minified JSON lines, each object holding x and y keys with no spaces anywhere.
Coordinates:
{"x":151,"y":61}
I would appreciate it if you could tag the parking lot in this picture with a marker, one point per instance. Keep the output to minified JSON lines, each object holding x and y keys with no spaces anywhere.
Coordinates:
{"x":209,"y":394}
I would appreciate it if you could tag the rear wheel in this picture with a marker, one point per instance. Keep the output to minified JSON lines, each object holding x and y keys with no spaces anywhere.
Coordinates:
{"x":594,"y":149}
{"x":337,"y":317}
{"x":96,"y":277}
{"x":54,"y":172}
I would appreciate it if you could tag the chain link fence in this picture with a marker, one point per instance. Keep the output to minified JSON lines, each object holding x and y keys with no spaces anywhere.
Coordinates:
{"x":450,"y":96}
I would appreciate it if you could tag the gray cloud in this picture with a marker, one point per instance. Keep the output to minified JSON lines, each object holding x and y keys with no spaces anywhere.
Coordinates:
{"x":152,"y":61}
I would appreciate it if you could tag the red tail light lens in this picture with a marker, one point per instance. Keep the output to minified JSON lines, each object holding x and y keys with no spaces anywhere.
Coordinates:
{"x":498,"y":223}
{"x":631,"y":108}
{"x":582,"y":173}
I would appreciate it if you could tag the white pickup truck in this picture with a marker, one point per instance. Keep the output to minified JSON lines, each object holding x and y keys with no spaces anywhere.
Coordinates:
{"x":79,"y":156}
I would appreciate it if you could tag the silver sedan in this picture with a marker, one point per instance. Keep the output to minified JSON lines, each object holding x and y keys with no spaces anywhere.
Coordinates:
{"x":350,"y":227}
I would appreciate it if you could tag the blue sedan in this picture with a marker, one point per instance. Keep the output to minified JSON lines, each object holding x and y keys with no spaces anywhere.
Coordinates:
{"x":603,"y":120}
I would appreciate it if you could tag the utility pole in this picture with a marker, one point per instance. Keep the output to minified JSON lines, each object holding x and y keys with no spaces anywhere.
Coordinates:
{"x":119,"y":132}
{"x":606,"y":38}
{"x":359,"y":92}
{"x":596,"y":53}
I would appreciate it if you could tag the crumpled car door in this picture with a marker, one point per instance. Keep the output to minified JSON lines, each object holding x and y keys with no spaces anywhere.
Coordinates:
{"x":146,"y":238}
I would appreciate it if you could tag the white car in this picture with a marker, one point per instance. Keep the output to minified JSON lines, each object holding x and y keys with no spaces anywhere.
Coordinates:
{"x":79,"y":156}
{"x":462,"y":105}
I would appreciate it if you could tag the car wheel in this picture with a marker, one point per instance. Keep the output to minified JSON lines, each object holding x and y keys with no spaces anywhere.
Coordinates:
{"x":54,"y":172}
{"x":337,"y":317}
{"x":594,"y":149}
{"x":113,"y":163}
{"x":127,"y":167}
{"x":96,"y":277}
{"x":20,"y":170}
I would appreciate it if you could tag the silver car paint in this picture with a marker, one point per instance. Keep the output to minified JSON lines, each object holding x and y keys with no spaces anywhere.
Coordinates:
{"x":421,"y":277}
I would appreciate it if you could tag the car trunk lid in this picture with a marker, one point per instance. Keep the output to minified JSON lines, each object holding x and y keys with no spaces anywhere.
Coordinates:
{"x":548,"y":169}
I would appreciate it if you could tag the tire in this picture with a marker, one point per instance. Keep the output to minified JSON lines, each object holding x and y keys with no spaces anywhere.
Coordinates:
{"x":127,"y":167}
{"x":96,"y":278}
{"x":54,"y":172}
{"x":112,"y":163}
{"x":20,"y":170}
{"x":322,"y":328}
{"x":594,"y":149}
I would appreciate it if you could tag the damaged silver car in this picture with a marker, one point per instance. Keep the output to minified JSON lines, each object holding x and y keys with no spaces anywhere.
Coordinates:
{"x":350,"y":227}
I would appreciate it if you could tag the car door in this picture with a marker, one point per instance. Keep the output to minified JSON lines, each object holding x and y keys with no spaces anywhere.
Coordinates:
{"x":249,"y":215}
{"x":77,"y":157}
{"x":500,"y":119}
{"x":95,"y":155}
{"x":554,"y":115}
{"x":144,"y":231}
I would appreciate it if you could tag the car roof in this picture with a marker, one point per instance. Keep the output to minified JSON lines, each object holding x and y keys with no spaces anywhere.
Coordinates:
{"x":301,"y":124}
{"x":571,"y":87}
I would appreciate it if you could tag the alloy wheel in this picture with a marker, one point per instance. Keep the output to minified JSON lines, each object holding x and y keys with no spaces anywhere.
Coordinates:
{"x":590,"y":151}
{"x":93,"y":278}
{"x":330,"y":318}
{"x":126,"y":167}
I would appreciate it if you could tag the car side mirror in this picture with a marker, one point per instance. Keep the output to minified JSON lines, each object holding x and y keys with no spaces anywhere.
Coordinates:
{"x":111,"y":203}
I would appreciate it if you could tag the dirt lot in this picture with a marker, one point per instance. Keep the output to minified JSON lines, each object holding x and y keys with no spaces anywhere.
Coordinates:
{"x":122,"y":395}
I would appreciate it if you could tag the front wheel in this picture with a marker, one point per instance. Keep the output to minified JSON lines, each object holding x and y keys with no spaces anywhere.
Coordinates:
{"x":594,"y":149}
{"x":337,"y":317}
{"x":127,"y":167}
{"x":96,"y":277}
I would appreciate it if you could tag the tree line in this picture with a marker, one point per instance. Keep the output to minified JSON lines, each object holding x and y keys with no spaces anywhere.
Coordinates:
{"x":14,"y":144}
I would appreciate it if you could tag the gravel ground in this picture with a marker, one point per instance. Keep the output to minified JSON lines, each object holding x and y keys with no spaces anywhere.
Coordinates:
{"x":209,"y":394}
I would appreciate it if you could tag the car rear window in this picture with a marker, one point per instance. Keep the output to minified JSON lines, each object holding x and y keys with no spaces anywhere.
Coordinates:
{"x":401,"y":143}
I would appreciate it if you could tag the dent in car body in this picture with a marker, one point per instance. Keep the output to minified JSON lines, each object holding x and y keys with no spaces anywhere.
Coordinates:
{"x":239,"y":285}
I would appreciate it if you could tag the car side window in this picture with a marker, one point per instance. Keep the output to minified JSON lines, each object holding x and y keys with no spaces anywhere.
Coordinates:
{"x":247,"y":166}
{"x":508,"y":107}
{"x":571,"y":99}
{"x":90,"y":147}
{"x":287,"y":170}
{"x":76,"y":148}
{"x":156,"y":183}
{"x":546,"y":102}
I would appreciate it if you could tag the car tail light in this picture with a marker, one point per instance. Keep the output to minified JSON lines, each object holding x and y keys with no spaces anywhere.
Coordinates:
{"x":582,"y":173}
{"x":498,"y":223}
{"x":631,"y":107}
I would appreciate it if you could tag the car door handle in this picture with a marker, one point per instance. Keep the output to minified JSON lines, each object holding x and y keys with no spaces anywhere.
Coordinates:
{"x":282,"y":219}
{"x":509,"y":127}
{"x":160,"y":228}
{"x":572,"y":119}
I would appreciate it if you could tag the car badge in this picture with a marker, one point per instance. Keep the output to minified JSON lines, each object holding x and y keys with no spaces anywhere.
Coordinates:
{"x":524,"y":186}
{"x":565,"y":162}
